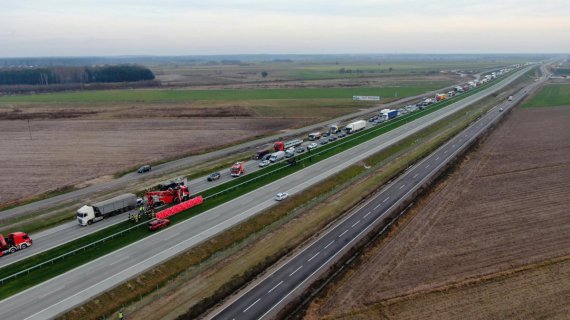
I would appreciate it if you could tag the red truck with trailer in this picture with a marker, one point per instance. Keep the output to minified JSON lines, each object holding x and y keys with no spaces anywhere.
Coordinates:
{"x":14,"y":242}
{"x":282,"y":146}
{"x":172,"y":195}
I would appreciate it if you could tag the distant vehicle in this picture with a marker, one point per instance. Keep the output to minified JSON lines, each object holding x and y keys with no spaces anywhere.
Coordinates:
{"x":282,"y":146}
{"x":13,"y":242}
{"x":145,"y":168}
{"x":355,"y":126}
{"x":300,"y":150}
{"x":237,"y":169}
{"x":172,"y":184}
{"x":140,"y":202}
{"x":276,"y":156}
{"x":104,"y":209}
{"x":264,"y":163}
{"x":510,"y":98}
{"x":158,"y":224}
{"x":372,"y":119}
{"x":281,"y":196}
{"x":260,"y":154}
{"x":388,"y":114}
{"x":341,"y":135}
{"x":214,"y":176}
{"x":500,"y":109}
{"x":315,"y":136}
{"x":332,"y":138}
{"x":266,"y":157}
{"x":324,"y":141}
{"x":312,"y":146}
{"x":289,"y":153}
{"x":334,"y":128}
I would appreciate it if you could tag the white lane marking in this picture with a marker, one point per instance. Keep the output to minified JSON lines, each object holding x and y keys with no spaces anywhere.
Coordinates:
{"x":316,"y":254}
{"x":277,"y":285}
{"x":357,"y":222}
{"x":292,"y":273}
{"x":427,"y":166}
{"x":436,"y":158}
{"x":400,"y":188}
{"x":328,"y":245}
{"x":445,"y":151}
{"x":385,"y":199}
{"x":415,"y":175}
{"x":366,"y":215}
{"x":453,"y":146}
{"x":377,"y":206}
{"x":251,"y":305}
{"x":342,"y":234}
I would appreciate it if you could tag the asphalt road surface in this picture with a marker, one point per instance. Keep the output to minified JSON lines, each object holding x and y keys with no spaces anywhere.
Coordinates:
{"x":275,"y":290}
{"x":175,"y":165}
{"x":57,"y":295}
{"x":70,"y":231}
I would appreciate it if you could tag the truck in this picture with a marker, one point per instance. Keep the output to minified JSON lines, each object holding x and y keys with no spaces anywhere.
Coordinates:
{"x":276,"y":156}
{"x":159,"y":198}
{"x":355,"y":126}
{"x":314,"y":136}
{"x":334,"y":128}
{"x":510,"y":98}
{"x":388,"y":114}
{"x":440,"y":97}
{"x":282,"y":146}
{"x":13,"y":242}
{"x":237,"y":169}
{"x":260,"y":154}
{"x":89,"y":214}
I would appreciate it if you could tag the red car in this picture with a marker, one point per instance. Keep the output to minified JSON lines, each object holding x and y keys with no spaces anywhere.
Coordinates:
{"x":158,"y":224}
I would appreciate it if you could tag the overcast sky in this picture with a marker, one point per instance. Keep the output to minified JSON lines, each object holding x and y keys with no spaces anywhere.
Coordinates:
{"x":177,"y":27}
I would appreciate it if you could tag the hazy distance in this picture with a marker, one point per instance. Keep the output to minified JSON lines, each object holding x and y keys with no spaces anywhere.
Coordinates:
{"x":176,"y":27}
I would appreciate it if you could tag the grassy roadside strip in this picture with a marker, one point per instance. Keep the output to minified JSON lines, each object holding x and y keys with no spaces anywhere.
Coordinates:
{"x":231,"y":276}
{"x":255,"y":180}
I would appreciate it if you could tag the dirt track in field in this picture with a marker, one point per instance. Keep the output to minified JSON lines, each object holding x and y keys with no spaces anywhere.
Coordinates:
{"x":505,"y":208}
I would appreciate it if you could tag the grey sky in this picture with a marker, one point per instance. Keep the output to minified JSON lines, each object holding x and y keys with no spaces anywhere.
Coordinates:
{"x":176,"y":27}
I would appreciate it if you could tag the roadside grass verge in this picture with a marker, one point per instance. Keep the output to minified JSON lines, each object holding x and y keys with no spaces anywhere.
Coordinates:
{"x":224,"y":193}
{"x":355,"y":182}
{"x":153,"y":95}
{"x":551,"y":95}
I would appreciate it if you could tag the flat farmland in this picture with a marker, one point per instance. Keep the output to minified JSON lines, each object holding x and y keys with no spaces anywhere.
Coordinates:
{"x":551,"y":95}
{"x":491,"y":241}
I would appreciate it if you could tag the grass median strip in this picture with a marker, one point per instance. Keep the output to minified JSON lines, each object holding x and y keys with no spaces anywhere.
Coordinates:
{"x":231,"y":276}
{"x":214,"y":197}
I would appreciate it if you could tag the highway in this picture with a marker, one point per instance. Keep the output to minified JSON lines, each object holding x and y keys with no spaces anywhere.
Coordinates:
{"x":266,"y":297}
{"x":52,"y":297}
{"x":67,"y":232}
{"x":175,"y":165}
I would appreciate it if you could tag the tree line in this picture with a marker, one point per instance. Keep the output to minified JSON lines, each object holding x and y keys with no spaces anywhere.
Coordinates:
{"x":66,"y":75}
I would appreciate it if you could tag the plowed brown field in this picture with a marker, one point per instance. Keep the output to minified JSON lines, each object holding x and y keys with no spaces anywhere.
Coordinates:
{"x":492,"y":241}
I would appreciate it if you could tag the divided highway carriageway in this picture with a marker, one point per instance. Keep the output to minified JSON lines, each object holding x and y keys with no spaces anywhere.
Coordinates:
{"x":266,"y":298}
{"x":52,"y":297}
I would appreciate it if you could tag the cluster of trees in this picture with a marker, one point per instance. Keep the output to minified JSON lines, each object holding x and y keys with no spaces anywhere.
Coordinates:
{"x":66,"y":75}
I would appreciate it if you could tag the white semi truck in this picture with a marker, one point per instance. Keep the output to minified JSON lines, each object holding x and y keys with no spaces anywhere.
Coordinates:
{"x":276,"y":156}
{"x":104,"y":209}
{"x":355,"y":126}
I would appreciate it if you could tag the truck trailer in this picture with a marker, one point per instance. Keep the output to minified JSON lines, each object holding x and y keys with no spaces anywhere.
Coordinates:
{"x":282,"y":146}
{"x":92,"y":213}
{"x":355,"y":126}
{"x":314,"y":136}
{"x":388,"y":114}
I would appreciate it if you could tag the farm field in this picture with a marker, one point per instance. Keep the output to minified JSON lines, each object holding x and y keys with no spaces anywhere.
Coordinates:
{"x":489,"y":242}
{"x":551,"y":95}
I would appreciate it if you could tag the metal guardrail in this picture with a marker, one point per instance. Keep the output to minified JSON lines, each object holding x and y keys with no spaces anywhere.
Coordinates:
{"x":285,"y":165}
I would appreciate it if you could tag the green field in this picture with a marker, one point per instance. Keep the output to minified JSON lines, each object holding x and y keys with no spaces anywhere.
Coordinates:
{"x":214,"y":197}
{"x":193,"y":95}
{"x":551,"y":95}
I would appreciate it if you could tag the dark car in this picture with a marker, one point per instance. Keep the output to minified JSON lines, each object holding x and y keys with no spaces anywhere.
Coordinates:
{"x":324,"y":141}
{"x":214,"y":176}
{"x":301,"y":150}
{"x":145,"y":168}
{"x":332,"y":138}
{"x":341,"y":135}
{"x":158,"y":224}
